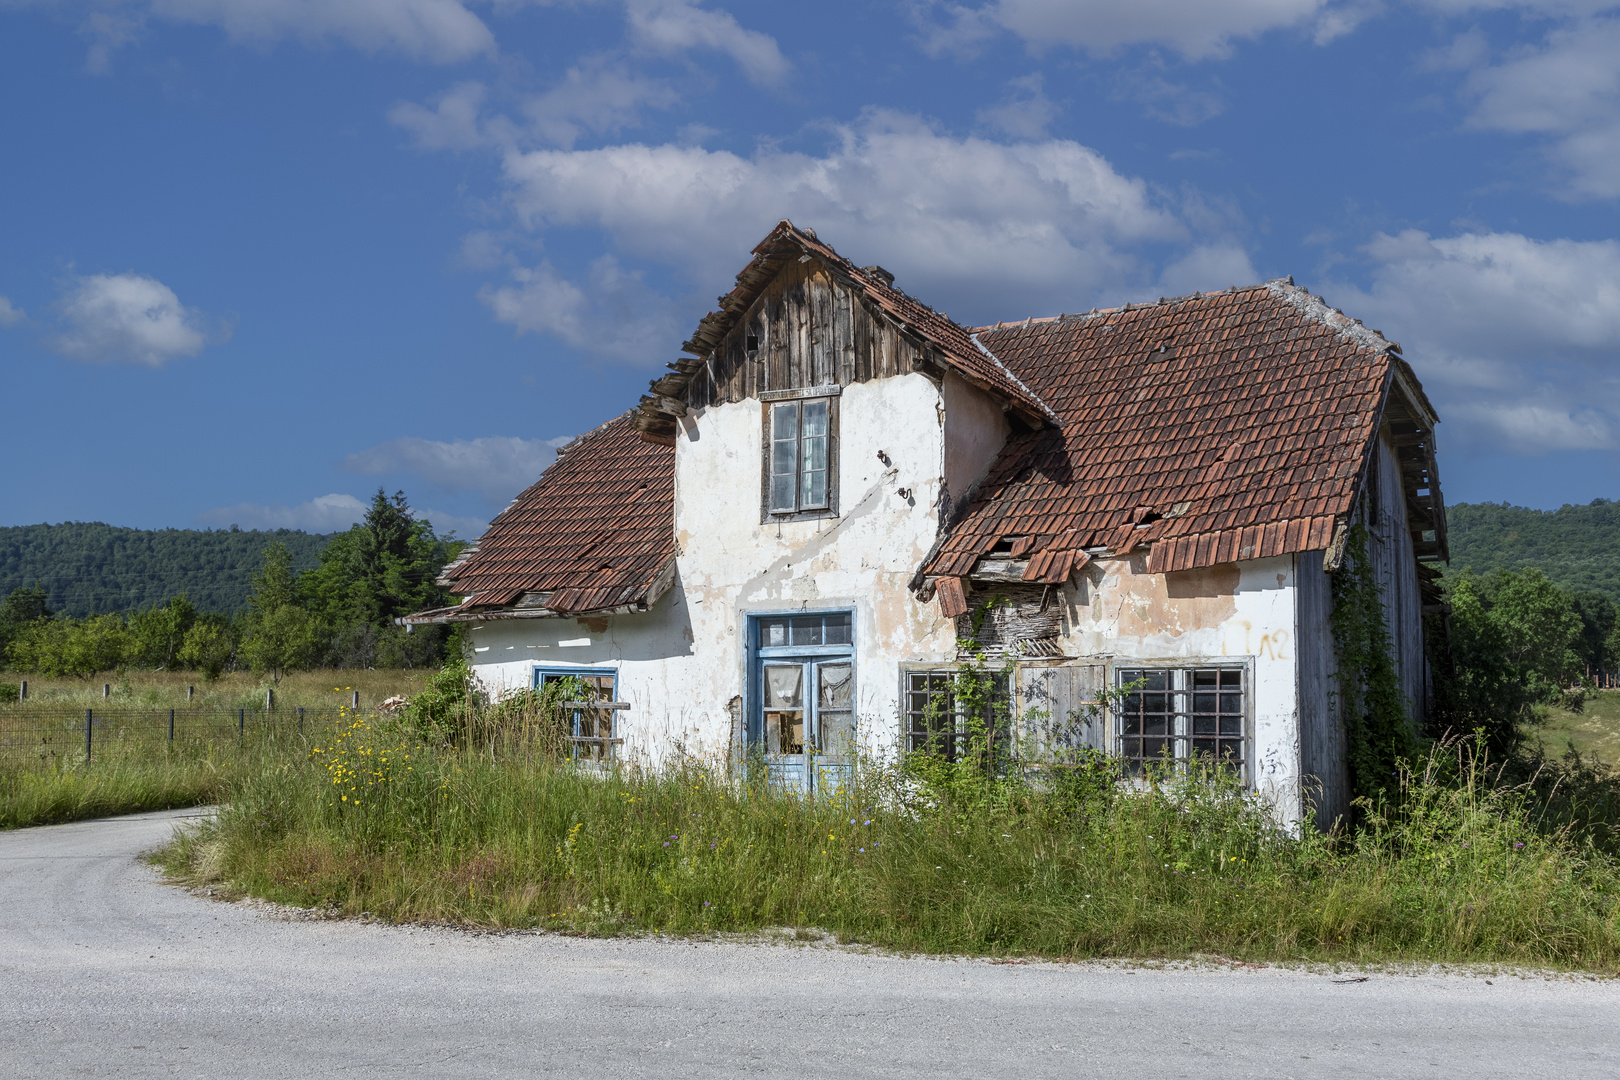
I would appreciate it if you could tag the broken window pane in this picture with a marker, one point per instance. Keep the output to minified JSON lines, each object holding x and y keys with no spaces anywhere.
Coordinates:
{"x":835,"y":708}
{"x":784,"y":708}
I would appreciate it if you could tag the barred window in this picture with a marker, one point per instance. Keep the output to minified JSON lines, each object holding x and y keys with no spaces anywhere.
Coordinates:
{"x":1182,"y":714}
{"x":938,"y":723}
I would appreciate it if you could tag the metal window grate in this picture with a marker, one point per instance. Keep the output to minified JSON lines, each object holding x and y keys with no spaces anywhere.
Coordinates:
{"x":1182,"y":714}
{"x":937,"y":723}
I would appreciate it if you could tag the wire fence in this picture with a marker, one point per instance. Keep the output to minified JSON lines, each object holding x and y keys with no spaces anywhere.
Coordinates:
{"x":57,"y":738}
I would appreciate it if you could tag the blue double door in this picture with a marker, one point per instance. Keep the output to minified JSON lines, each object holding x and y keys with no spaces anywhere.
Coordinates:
{"x":804,"y":674}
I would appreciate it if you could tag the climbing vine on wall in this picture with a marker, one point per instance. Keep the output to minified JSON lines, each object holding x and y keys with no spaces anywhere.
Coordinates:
{"x":1378,"y":733}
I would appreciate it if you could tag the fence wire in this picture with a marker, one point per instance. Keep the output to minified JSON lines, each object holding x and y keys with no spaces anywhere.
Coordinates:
{"x":56,"y":737}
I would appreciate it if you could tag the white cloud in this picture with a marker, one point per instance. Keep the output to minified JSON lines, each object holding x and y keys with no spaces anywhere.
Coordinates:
{"x":676,"y":28}
{"x":613,"y":315}
{"x":465,"y":528}
{"x":1194,"y":28}
{"x":970,"y":219}
{"x":452,"y":123}
{"x":496,"y":467}
{"x":1516,"y":337}
{"x":1208,"y":268}
{"x":1170,"y":102}
{"x":597,"y":96}
{"x":437,"y":31}
{"x":1025,"y":113}
{"x":328,"y":513}
{"x":1568,"y":90}
{"x":130,"y":318}
{"x":10,"y":314}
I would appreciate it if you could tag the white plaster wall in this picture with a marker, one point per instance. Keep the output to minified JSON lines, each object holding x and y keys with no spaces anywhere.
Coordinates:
{"x":1246,"y":610}
{"x":683,"y":665}
{"x":975,"y":431}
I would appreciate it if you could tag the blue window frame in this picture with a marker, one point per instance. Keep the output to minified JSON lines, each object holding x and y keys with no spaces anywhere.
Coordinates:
{"x":801,"y":679}
{"x":594,"y":732}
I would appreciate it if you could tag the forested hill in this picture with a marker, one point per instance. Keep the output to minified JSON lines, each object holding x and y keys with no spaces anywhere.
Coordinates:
{"x":89,"y":568}
{"x":1578,"y":547}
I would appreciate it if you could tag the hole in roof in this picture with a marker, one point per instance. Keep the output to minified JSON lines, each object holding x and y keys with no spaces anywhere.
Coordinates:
{"x":1005,"y":545}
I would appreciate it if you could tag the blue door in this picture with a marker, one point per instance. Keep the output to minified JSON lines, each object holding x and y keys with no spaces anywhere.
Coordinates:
{"x":804,"y":679}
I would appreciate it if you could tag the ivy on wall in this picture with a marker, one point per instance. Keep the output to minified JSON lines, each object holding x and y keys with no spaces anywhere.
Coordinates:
{"x":1378,"y":732}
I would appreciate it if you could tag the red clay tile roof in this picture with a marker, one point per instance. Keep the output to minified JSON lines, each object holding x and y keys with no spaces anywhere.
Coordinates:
{"x":1216,"y":428}
{"x":594,"y":532}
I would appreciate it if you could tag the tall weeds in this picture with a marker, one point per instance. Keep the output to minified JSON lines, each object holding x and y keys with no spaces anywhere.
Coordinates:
{"x":377,"y":819}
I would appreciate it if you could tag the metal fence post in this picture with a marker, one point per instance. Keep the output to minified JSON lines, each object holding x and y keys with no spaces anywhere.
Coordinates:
{"x":357,"y":701}
{"x":171,"y":725}
{"x":87,"y":723}
{"x":269,"y":699}
{"x":22,"y":694}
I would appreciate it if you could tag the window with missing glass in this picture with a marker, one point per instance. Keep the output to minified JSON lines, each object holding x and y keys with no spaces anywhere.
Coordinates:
{"x":801,"y":475}
{"x":945,"y":713}
{"x":1176,"y":715}
{"x":595,"y":736}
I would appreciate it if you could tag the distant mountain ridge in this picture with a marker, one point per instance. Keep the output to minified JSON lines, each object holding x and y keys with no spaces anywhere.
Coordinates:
{"x":1578,"y":547}
{"x":89,"y":568}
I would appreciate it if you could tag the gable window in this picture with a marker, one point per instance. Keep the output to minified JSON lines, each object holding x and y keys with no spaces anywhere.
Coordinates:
{"x":595,"y":735}
{"x":800,"y":477}
{"x":1183,"y":714}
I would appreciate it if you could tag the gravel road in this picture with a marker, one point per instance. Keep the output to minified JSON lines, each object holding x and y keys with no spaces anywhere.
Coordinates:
{"x":104,"y":971}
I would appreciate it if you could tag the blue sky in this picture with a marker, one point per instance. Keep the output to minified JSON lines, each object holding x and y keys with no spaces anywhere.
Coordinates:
{"x":258,"y":257}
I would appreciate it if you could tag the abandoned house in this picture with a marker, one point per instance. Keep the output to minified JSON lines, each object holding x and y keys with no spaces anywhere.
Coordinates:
{"x":840,"y":495}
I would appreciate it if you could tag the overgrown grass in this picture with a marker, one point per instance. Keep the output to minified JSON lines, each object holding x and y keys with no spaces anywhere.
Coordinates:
{"x":315,"y":690}
{"x":371,"y":822}
{"x":46,"y":797}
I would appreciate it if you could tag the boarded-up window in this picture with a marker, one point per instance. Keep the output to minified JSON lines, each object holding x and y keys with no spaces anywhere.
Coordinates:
{"x":1061,"y":707}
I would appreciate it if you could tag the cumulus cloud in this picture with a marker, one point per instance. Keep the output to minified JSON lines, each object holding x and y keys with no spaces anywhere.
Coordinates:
{"x":678,"y":27}
{"x":1025,"y":112}
{"x":466,"y":528}
{"x":128,"y":318}
{"x":598,"y":96}
{"x":1566,"y":90}
{"x":452,"y":124}
{"x":328,"y":513}
{"x":1194,"y":28}
{"x":496,"y":467}
{"x":969,"y":219}
{"x":611,"y":314}
{"x":437,"y":31}
{"x":10,"y":314}
{"x":1516,"y":337}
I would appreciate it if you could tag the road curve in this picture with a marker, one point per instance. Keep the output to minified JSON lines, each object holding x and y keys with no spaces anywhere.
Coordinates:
{"x":105,"y":971}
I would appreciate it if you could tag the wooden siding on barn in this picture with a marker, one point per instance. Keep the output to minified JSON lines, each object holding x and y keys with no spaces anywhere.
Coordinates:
{"x":1323,"y":767}
{"x":810,"y":331}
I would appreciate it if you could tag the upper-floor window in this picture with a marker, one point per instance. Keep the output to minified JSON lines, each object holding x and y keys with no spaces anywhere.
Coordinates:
{"x":800,"y":470}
